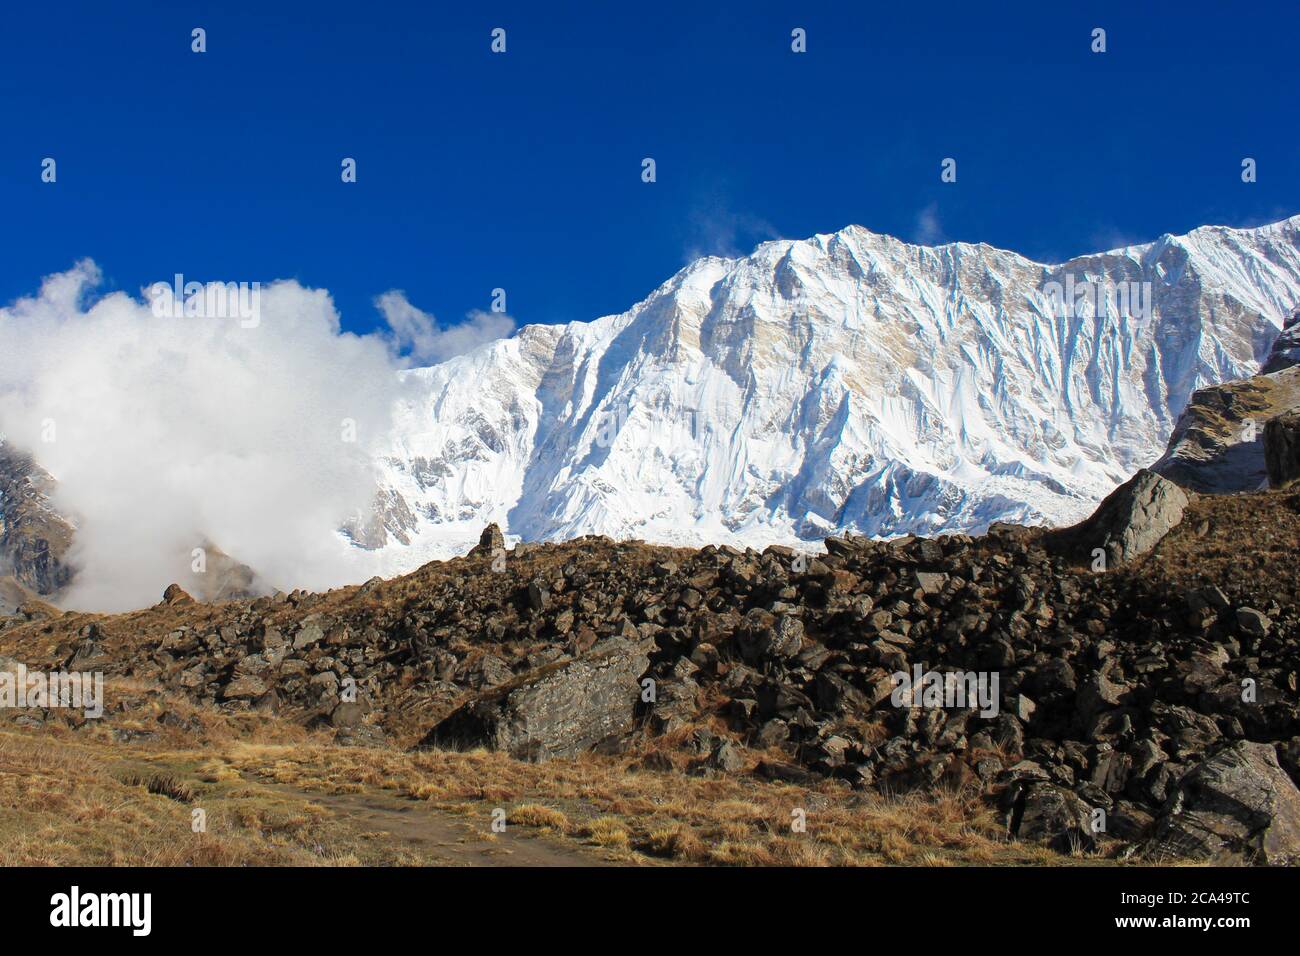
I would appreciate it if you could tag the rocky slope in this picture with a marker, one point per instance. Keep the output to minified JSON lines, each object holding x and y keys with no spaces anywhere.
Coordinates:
{"x":1218,"y":444}
{"x":34,"y":538}
{"x":1122,"y":709}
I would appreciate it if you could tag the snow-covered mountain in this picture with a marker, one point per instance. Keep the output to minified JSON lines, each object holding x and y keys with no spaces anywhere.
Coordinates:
{"x":847,"y":382}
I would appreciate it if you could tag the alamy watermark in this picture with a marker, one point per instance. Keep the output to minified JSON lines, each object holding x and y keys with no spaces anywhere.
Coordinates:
{"x":609,"y":424}
{"x":76,"y":690}
{"x":1071,"y":298}
{"x":208,"y":300}
{"x":951,"y":689}
{"x":75,"y":908}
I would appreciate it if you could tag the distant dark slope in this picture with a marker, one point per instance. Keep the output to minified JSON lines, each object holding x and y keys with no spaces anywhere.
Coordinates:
{"x":34,"y":539}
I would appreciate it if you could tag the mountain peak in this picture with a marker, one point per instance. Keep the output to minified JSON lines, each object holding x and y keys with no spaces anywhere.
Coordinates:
{"x":849,"y":382}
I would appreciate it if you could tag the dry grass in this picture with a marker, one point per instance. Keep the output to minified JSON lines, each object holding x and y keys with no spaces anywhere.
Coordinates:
{"x":76,"y":797}
{"x":63,"y":804}
{"x":726,"y":820}
{"x":536,"y":815}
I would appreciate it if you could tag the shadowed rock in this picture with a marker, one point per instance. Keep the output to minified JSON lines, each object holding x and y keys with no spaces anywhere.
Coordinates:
{"x":489,"y":542}
{"x":175,"y":594}
{"x":559,"y":710}
{"x":1237,"y":806}
{"x":1282,"y":449}
{"x":1285,"y":352}
{"x":1044,"y":812}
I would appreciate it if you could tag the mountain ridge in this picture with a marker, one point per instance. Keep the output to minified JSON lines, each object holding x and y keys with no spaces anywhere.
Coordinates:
{"x":849,"y":383}
{"x":846,"y":382}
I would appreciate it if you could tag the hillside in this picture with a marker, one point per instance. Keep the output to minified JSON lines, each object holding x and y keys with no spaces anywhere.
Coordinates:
{"x":770,"y":669}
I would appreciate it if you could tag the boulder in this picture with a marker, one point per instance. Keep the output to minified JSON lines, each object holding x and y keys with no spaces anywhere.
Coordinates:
{"x":1282,"y":449}
{"x":930,"y":582}
{"x":244,"y":687}
{"x":484,"y":671}
{"x":559,"y":710}
{"x":1044,"y":812}
{"x":1237,"y":806}
{"x":307,"y":635}
{"x":347,"y":714}
{"x":783,"y":639}
{"x":175,"y":594}
{"x":1253,"y":622}
{"x":89,"y":656}
{"x":1132,"y":520}
{"x":490,"y":542}
{"x":1098,"y":693}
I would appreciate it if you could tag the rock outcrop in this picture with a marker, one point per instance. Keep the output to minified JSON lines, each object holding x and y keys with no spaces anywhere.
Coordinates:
{"x":1237,"y":806}
{"x":490,"y":542}
{"x":560,"y":710}
{"x":1217,"y":445}
{"x":390,"y":520}
{"x":1282,"y":449}
{"x":34,"y":538}
{"x":175,"y":594}
{"x":1132,"y":520}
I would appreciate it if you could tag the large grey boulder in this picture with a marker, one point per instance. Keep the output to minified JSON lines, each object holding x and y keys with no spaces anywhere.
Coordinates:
{"x":1132,"y":520}
{"x":559,"y":710}
{"x":1238,"y":806}
{"x":1282,"y":449}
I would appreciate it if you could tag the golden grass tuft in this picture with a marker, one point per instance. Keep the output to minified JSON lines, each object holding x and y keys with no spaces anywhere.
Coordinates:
{"x":536,"y":815}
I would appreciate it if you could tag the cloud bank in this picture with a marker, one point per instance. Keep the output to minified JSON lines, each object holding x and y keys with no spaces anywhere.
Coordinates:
{"x":168,"y":433}
{"x":418,"y":335}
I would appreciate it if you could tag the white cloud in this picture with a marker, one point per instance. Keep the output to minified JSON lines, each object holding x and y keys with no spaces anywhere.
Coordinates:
{"x":417,"y":335}
{"x":929,"y":231}
{"x":172,"y":432}
{"x":714,"y":229}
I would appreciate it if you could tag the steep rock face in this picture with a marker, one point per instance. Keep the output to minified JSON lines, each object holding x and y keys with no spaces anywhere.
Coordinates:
{"x":34,"y":539}
{"x":389,"y":519}
{"x":845,"y":383}
{"x":1282,"y":449}
{"x":1286,"y":348}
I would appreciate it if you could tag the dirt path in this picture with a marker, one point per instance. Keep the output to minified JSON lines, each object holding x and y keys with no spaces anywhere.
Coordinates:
{"x":444,"y":839}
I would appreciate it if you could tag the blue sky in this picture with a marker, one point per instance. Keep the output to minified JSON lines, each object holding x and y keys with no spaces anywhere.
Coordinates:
{"x":522,"y":170}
